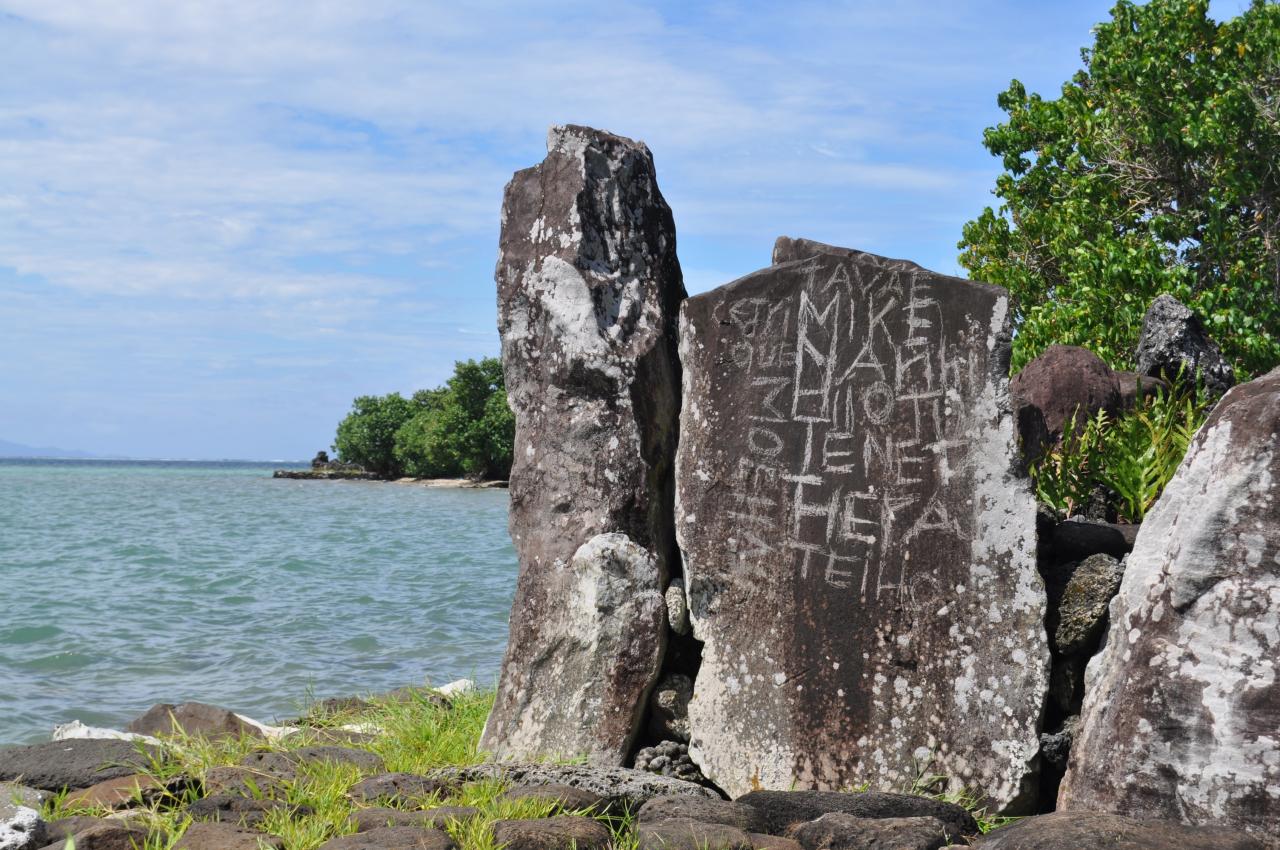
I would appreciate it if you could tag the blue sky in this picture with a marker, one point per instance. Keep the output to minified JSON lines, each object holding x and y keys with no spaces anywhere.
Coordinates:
{"x":221,"y":220}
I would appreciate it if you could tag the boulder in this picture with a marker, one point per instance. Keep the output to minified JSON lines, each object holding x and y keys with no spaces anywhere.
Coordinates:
{"x":393,"y":838}
{"x":703,"y":810}
{"x":838,"y":831}
{"x":74,"y":764}
{"x":246,"y":781}
{"x":1181,"y":717}
{"x":588,"y":294}
{"x":196,"y":719}
{"x":398,"y":786}
{"x":685,"y":834}
{"x":1087,"y":830}
{"x":225,"y":836}
{"x":1078,"y":538}
{"x":32,"y":798}
{"x":107,"y":835}
{"x":605,"y":639}
{"x":677,"y":607}
{"x":859,"y":545}
{"x":60,"y":829}
{"x":563,"y":832}
{"x":760,"y":841}
{"x":1066,"y":381}
{"x":669,"y":758}
{"x":245,"y":811}
{"x":783,"y":810}
{"x":669,"y":707}
{"x":1174,"y":339}
{"x":437,"y":818}
{"x":122,"y":792}
{"x":1080,"y":612}
{"x":619,"y":785}
{"x":21,"y":827}
{"x":285,"y":763}
{"x":1134,"y":388}
{"x":565,"y":798}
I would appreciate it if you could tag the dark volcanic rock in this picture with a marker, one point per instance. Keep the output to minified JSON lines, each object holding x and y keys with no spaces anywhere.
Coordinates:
{"x":437,"y":818}
{"x":393,"y":838}
{"x":225,"y":836}
{"x":563,"y":832}
{"x":784,"y":809}
{"x":285,"y":763}
{"x":1079,"y":538}
{"x":1181,"y":716}
{"x":859,"y":547}
{"x":1066,"y":381}
{"x":704,"y":810}
{"x":59,"y":829}
{"x":1173,"y":338}
{"x":566,"y":798}
{"x":74,"y":764}
{"x":21,"y":827}
{"x":669,"y":758}
{"x":1089,"y":830}
{"x":688,"y":834}
{"x":619,"y":785}
{"x":245,"y":811}
{"x":838,"y":831}
{"x":588,"y":294}
{"x":192,"y":718}
{"x":123,"y":791}
{"x":246,"y":781}
{"x":107,"y":835}
{"x":398,"y":786}
{"x":1080,"y":613}
{"x":669,"y":707}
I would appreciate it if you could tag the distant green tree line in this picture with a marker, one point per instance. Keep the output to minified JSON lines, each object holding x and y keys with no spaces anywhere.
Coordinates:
{"x":463,"y":428}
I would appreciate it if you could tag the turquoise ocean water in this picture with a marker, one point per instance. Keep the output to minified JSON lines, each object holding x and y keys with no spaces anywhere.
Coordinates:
{"x":124,"y":584}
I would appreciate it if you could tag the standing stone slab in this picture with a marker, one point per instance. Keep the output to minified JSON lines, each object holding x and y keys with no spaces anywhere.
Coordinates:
{"x":588,"y":294}
{"x":1181,"y":716}
{"x":860,"y":553}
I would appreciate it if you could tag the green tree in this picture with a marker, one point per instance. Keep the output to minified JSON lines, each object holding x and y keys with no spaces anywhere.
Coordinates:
{"x":462,"y":428}
{"x":1157,"y":170}
{"x":367,"y":436}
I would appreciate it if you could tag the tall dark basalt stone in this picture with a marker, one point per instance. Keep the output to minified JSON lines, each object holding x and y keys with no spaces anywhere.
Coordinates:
{"x":1181,"y":714}
{"x":859,"y":544}
{"x":589,"y":289}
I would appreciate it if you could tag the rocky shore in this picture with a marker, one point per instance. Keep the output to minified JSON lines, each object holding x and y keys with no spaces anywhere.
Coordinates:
{"x":372,"y":773}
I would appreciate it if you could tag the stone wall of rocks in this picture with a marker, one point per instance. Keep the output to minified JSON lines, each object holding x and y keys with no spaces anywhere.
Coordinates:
{"x":863,"y":589}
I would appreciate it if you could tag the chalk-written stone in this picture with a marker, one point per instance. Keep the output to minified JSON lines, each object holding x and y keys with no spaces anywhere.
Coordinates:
{"x":859,"y":548}
{"x":1181,"y":715}
{"x":588,"y":294}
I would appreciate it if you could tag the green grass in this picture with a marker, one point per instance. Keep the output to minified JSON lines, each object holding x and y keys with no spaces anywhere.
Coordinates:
{"x":413,"y":736}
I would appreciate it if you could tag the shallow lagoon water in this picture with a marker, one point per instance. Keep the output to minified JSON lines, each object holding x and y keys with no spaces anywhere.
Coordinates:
{"x":125,"y":584}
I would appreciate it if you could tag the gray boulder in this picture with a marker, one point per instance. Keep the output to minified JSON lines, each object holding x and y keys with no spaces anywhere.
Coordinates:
{"x":1080,"y":612}
{"x":226,"y":836}
{"x":859,"y":545}
{"x":196,"y":719}
{"x":1173,"y":338}
{"x":1089,"y":830}
{"x":563,"y":832}
{"x":839,"y":831}
{"x":688,"y":834}
{"x":703,"y":810}
{"x":783,"y":810}
{"x":73,"y":764}
{"x":393,"y":838}
{"x":620,"y":786}
{"x":1181,"y":717}
{"x":21,"y":827}
{"x":669,"y":707}
{"x":588,"y":294}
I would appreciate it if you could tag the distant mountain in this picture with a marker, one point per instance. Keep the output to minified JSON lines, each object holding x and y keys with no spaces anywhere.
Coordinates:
{"x":8,"y":449}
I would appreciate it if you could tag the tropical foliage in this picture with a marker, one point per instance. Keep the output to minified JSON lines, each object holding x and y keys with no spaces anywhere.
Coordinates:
{"x":462,"y":428}
{"x":1155,"y":171}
